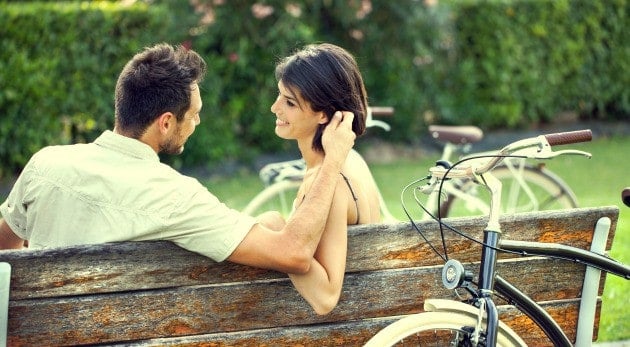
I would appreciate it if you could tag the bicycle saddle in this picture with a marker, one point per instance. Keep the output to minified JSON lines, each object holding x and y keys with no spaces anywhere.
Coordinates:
{"x":625,"y":196}
{"x":456,"y":134}
{"x":292,"y":170}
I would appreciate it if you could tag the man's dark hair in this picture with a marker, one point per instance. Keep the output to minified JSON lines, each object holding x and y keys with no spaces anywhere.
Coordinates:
{"x":155,"y":81}
{"x":328,"y":77}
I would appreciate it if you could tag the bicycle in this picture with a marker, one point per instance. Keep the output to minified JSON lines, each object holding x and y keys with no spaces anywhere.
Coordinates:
{"x":530,"y":187}
{"x":475,"y":322}
{"x":282,"y":179}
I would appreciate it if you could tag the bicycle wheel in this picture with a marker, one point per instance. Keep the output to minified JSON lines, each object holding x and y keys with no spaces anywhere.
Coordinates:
{"x":278,"y":196}
{"x":526,"y":188}
{"x":435,"y":329}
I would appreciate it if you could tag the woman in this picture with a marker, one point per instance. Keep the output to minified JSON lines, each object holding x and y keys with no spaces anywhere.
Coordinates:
{"x":313,"y":84}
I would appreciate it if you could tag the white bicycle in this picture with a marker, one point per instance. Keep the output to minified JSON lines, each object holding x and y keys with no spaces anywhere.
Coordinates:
{"x":528,"y":186}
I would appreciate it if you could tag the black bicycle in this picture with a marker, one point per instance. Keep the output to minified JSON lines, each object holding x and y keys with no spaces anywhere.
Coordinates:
{"x":475,"y":322}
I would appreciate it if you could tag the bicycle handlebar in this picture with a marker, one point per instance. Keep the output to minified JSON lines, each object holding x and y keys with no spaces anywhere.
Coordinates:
{"x":538,"y":147}
{"x":569,"y":137}
{"x":381,"y":110}
{"x":378,"y":111}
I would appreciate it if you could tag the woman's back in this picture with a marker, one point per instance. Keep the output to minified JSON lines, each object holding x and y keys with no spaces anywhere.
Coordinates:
{"x":359,"y":181}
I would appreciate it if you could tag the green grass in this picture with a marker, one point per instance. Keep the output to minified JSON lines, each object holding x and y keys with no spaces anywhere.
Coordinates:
{"x":597,"y":182}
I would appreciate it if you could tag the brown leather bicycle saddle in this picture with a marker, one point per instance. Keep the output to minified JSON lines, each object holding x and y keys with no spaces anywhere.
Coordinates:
{"x":456,"y":134}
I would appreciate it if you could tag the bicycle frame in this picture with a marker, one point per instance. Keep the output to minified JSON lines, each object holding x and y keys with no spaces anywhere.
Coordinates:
{"x":534,"y":310}
{"x":448,"y":151}
{"x":489,"y":280}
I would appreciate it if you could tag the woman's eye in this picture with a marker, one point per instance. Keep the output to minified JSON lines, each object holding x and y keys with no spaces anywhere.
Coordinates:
{"x":290,"y":103}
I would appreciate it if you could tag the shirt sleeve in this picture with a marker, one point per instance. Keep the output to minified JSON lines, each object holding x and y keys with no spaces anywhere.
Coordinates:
{"x":14,"y":208}
{"x":207,"y":226}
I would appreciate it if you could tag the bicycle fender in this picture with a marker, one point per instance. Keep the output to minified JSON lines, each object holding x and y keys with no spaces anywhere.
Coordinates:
{"x":444,"y":305}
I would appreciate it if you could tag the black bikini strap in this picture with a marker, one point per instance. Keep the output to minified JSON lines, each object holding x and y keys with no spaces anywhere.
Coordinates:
{"x":353,"y":196}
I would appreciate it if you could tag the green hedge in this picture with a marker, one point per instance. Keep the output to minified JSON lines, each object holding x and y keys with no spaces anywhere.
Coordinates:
{"x":522,"y":62}
{"x":493,"y":63}
{"x":58,"y":66}
{"x":490,"y":63}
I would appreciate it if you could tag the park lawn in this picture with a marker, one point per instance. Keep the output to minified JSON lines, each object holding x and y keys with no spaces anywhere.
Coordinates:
{"x":596,"y":182}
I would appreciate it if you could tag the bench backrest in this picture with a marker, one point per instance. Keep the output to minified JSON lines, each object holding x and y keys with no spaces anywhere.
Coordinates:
{"x":155,"y":293}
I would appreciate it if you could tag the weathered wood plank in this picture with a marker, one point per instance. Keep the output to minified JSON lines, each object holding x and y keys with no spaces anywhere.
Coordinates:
{"x":157,"y":293}
{"x":356,"y":333}
{"x":255,"y":305}
{"x":141,"y":265}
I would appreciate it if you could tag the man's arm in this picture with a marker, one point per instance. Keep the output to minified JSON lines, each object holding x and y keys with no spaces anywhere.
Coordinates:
{"x":291,"y":249}
{"x":8,"y":239}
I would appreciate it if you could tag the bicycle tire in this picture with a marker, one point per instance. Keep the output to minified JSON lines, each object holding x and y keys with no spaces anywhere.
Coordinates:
{"x":540,"y":190}
{"x":435,"y":329}
{"x":278,"y":196}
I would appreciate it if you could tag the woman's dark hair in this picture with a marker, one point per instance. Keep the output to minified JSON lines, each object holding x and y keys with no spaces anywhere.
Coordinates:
{"x":327,"y":77}
{"x":155,"y":81}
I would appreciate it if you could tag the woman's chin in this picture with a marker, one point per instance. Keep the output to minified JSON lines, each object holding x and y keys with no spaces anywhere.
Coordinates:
{"x":280,"y":132}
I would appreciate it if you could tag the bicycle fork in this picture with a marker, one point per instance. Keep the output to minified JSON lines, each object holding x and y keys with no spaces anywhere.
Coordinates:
{"x":454,"y":276}
{"x":487,"y":267}
{"x":486,"y":284}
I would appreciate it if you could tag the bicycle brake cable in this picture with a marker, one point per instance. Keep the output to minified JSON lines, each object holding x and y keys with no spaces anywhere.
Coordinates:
{"x":439,"y":212}
{"x":415,"y":226}
{"x":438,"y":219}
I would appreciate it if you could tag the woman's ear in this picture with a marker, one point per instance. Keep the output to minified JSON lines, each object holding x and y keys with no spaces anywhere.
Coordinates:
{"x":323,"y":119}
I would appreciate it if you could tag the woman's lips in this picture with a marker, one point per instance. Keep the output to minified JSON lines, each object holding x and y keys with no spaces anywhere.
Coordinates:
{"x":280,"y":122}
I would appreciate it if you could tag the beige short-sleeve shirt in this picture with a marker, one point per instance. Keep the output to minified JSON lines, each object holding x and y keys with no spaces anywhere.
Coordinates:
{"x":116,"y":189}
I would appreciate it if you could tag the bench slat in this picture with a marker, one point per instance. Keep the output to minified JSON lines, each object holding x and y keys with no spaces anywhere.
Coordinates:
{"x":353,"y":333}
{"x":254,"y":305}
{"x":155,"y":291}
{"x":140,"y":265}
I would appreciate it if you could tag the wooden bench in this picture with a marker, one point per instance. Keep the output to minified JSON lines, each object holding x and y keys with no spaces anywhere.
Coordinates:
{"x":155,"y":293}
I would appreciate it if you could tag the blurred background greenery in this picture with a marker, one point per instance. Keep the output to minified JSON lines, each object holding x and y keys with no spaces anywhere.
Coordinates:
{"x":496,"y":64}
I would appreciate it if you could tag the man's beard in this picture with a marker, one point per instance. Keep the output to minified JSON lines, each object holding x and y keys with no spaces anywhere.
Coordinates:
{"x":173,"y":145}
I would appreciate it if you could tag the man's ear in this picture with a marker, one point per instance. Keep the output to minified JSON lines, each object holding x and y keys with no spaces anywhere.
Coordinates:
{"x":165,"y":122}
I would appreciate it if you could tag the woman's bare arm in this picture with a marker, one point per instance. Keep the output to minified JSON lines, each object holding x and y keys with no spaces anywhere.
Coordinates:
{"x":321,"y":285}
{"x":291,"y":249}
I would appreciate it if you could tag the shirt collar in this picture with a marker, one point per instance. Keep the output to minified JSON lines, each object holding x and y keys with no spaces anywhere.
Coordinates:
{"x":126,"y":145}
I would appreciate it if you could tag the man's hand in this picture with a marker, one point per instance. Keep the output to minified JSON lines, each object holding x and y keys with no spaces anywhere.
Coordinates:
{"x":338,"y":137}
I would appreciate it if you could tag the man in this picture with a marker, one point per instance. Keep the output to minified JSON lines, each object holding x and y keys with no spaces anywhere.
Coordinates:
{"x":115,"y":189}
